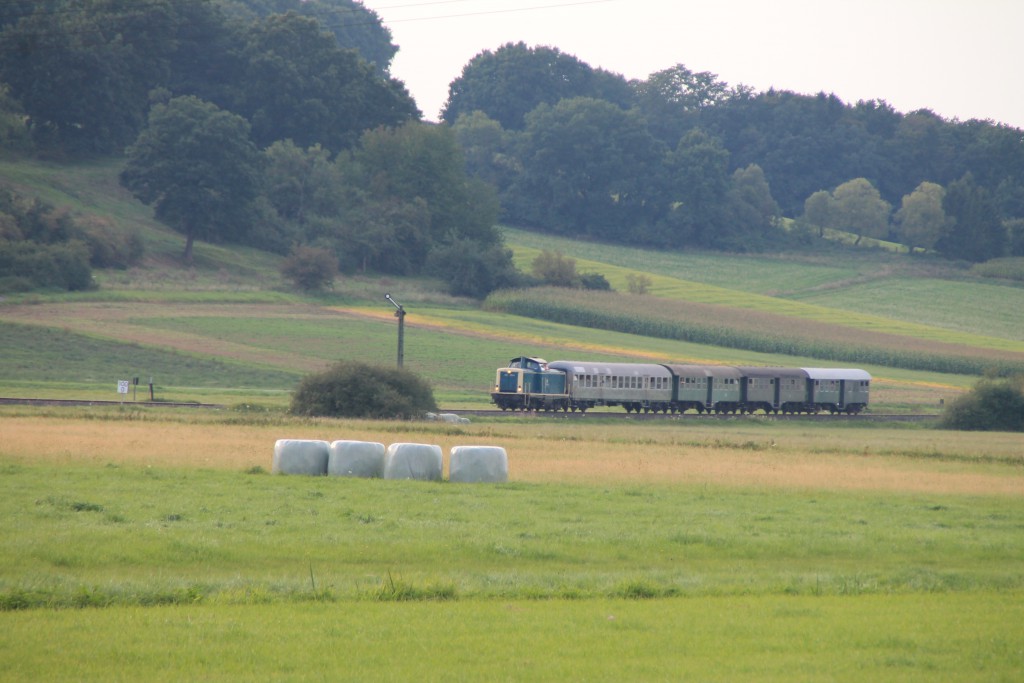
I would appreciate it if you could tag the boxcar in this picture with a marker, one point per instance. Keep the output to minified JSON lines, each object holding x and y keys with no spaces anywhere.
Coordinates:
{"x":635,"y":386}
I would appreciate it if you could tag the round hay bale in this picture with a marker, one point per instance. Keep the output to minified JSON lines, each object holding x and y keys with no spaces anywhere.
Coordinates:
{"x":413,"y":461}
{"x":473,"y":464}
{"x":356,"y":459}
{"x":300,"y":456}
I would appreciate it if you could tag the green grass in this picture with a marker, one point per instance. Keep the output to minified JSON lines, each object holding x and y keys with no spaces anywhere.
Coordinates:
{"x":978,"y":308}
{"x":908,"y":638}
{"x":163,"y":574}
{"x":45,"y":355}
{"x":85,"y":535}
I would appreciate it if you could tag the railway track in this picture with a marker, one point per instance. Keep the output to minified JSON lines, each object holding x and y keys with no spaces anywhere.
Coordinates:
{"x":543,"y":415}
{"x":600,"y":414}
{"x":85,"y":402}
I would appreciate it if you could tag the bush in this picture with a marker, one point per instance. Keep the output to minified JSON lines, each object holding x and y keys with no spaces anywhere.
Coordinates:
{"x":595,"y":281}
{"x":46,"y":266}
{"x":995,"y":406}
{"x":350,"y":389}
{"x":311,"y":269}
{"x":555,"y":269}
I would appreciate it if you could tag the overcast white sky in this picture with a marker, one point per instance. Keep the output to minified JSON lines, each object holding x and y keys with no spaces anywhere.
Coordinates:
{"x":960,"y":58}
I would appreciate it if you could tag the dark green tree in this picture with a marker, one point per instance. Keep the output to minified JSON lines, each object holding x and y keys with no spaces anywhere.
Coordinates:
{"x":513,"y":80}
{"x":589,"y":168}
{"x":672,"y":100}
{"x":83,"y":73}
{"x":423,"y":162}
{"x":194,"y":163}
{"x":751,"y":213}
{"x":300,"y":85}
{"x":697,"y":182}
{"x":976,"y":232}
{"x":472,"y":269}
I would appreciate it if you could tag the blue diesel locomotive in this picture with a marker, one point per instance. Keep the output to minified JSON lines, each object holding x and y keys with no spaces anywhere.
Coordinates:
{"x":534,"y":384}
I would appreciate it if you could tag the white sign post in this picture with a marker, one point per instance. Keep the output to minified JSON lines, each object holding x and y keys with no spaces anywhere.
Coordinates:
{"x":122,"y":388}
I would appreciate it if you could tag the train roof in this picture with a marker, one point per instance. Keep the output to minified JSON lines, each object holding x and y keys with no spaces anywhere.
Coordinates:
{"x":761,"y":372}
{"x":618,"y":369}
{"x":689,"y":370}
{"x":836,"y":373}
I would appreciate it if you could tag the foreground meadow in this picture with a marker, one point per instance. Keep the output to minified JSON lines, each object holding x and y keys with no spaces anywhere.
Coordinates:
{"x":153,"y":545}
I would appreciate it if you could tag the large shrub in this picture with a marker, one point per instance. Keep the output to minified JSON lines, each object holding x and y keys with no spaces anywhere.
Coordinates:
{"x":996,"y":406}
{"x":350,"y":389}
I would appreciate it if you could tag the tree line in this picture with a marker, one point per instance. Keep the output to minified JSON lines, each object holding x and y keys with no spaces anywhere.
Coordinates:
{"x":682,"y":159}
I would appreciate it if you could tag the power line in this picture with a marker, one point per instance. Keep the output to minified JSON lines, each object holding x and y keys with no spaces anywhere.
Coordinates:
{"x":482,"y":12}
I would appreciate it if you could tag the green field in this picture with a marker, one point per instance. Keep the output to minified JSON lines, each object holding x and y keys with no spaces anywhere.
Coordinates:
{"x":152,"y":544}
{"x":151,"y":548}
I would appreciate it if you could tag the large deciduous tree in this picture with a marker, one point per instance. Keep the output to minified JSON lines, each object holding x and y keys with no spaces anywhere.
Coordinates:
{"x":672,"y":99}
{"x":697,"y":183}
{"x":83,"y":74}
{"x":860,"y":209}
{"x":921,"y":220}
{"x":512,"y":81}
{"x":588,"y":169}
{"x":975,"y":232}
{"x":300,"y":85}
{"x":194,"y":163}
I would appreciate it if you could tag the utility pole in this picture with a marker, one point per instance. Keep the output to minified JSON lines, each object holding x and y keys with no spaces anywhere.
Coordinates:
{"x":400,"y":314}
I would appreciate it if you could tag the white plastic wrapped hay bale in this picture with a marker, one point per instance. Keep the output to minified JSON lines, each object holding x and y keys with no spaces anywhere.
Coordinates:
{"x":356,"y":459}
{"x":301,"y":456}
{"x":475,"y":464}
{"x":413,"y":461}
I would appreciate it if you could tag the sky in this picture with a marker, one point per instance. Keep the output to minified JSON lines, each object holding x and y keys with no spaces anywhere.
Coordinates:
{"x":962,"y":59}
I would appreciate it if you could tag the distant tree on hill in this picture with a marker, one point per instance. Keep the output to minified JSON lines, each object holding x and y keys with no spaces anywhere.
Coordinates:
{"x":300,"y":85}
{"x":588,"y":168}
{"x":751,"y":213}
{"x":921,"y":220}
{"x":672,"y":99}
{"x":196,"y":166}
{"x":697,"y":181}
{"x":510,"y":82}
{"x":976,"y":232}
{"x":860,"y":209}
{"x":855,"y":207}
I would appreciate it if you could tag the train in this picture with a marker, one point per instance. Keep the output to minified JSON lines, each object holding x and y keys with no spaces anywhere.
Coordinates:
{"x":534,"y":384}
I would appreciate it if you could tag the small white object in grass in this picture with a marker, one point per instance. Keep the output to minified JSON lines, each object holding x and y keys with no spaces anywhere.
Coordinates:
{"x":413,"y":461}
{"x":356,"y":459}
{"x":301,"y":456}
{"x":478,"y":464}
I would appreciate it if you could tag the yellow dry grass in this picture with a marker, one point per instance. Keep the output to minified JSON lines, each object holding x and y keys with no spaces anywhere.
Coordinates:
{"x":776,"y":456}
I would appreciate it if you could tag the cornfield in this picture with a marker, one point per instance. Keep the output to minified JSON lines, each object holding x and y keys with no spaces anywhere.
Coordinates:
{"x":752,"y":330}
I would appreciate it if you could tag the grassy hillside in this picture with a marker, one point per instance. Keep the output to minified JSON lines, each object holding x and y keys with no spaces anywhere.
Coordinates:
{"x":229,"y":330}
